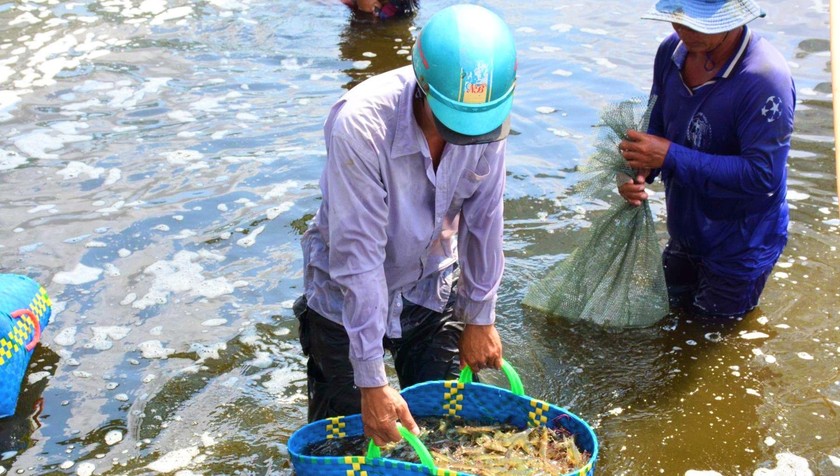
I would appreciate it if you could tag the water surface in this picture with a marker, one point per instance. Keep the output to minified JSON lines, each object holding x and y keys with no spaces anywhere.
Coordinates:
{"x":160,"y":160}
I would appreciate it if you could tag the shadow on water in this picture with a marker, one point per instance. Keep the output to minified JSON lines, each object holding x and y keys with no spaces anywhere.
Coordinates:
{"x":19,"y":432}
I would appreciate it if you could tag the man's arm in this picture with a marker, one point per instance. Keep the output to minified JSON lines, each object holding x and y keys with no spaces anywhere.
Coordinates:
{"x":481,"y":259}
{"x":358,"y":213}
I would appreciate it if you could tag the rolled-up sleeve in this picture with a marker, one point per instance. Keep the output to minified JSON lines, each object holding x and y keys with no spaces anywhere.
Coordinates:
{"x":480,"y":240}
{"x":358,"y":214}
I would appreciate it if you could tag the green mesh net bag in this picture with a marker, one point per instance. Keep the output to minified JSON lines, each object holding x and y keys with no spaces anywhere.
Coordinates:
{"x":615,"y":278}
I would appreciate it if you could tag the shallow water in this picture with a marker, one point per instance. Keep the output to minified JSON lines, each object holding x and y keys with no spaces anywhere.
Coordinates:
{"x":160,"y":160}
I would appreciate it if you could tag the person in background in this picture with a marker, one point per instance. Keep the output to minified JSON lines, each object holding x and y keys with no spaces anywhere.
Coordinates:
{"x":719,"y":136}
{"x":383,"y":9}
{"x":405,"y":251}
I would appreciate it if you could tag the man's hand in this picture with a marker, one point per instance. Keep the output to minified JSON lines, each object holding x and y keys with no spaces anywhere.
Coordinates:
{"x":381,"y":408}
{"x":369,"y":6}
{"x":644,"y":151}
{"x":633,"y":188}
{"x":480,"y":347}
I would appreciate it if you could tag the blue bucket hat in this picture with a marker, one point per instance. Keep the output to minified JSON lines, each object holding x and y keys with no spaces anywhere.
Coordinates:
{"x":706,"y":16}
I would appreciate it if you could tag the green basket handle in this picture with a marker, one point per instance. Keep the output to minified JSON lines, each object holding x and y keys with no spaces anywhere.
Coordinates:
{"x":515,"y":382}
{"x":421,"y":450}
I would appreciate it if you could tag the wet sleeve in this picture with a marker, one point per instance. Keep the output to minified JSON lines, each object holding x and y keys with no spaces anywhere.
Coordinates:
{"x":764,"y":125}
{"x":480,"y":230}
{"x":358,"y":214}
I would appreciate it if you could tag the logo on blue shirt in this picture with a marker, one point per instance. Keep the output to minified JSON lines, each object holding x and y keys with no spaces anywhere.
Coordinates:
{"x":772,"y":108}
{"x":699,"y":131}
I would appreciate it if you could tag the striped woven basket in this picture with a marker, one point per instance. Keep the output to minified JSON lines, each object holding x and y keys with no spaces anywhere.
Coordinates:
{"x":25,"y":309}
{"x":463,"y":398}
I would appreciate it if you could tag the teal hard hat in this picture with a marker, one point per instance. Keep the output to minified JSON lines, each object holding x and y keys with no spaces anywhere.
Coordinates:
{"x":465,"y":62}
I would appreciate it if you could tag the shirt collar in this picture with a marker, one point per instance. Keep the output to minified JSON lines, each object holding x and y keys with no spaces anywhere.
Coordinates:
{"x":405,"y":137}
{"x":681,"y":52}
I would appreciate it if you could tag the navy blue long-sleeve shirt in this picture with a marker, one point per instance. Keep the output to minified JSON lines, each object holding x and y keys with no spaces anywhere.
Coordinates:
{"x":725,"y":172}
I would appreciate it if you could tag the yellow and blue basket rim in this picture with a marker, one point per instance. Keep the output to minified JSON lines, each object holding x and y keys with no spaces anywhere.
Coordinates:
{"x":471,"y":401}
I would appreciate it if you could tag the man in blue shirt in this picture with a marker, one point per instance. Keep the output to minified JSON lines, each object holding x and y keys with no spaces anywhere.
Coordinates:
{"x":719,"y":135}
{"x":405,"y":252}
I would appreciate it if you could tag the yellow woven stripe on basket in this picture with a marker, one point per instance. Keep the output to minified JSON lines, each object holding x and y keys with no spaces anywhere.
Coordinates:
{"x":356,"y":462}
{"x":16,"y":338}
{"x":585,"y":470}
{"x":536,"y":417}
{"x":452,"y":397}
{"x":24,"y":327}
{"x":40,"y":303}
{"x":335,"y":428}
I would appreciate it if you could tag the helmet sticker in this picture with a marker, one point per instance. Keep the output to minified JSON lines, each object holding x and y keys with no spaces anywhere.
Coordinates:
{"x":476,"y":84}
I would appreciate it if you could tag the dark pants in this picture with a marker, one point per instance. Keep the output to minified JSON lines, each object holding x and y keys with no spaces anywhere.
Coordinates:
{"x":428,"y":350}
{"x":693,"y":286}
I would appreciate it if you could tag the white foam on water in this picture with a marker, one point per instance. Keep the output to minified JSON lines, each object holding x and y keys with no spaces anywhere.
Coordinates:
{"x":753,"y":335}
{"x":96,"y":244}
{"x":113,"y":437}
{"x":247,"y":116}
{"x":66,"y":337}
{"x":41,"y":208}
{"x":251,"y":238}
{"x":753,"y":392}
{"x":174,"y":460}
{"x":205,"y":352}
{"x":545,"y":109}
{"x":171,"y":14}
{"x":605,"y":63}
{"x":261,"y":360}
{"x":8,"y":99}
{"x":128,"y":299}
{"x":75,"y":169}
{"x":805,"y":356}
{"x":769,"y":441}
{"x":214,"y":322}
{"x":181,"y":116}
{"x":275,"y":212}
{"x":10,"y":159}
{"x":114,"y":175}
{"x":85,"y":469}
{"x":182,"y":156}
{"x":123,"y":253}
{"x":103,"y":336}
{"x":834,"y":460}
{"x":787,"y":464}
{"x":183,"y":274}
{"x":595,"y":31}
{"x":81,"y":274}
{"x":281,"y":380}
{"x":154,"y":349}
{"x":281,"y":190}
{"x":111,"y":270}
{"x":36,"y":377}
{"x":36,"y":143}
{"x":796,"y":196}
{"x":561,"y":27}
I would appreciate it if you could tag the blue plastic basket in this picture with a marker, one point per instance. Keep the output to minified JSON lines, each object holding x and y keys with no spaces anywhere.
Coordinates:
{"x":462,"y":398}
{"x":25,"y":309}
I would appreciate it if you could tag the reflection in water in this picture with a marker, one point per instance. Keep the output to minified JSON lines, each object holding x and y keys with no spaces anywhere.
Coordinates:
{"x":375,"y":46}
{"x":19,"y":431}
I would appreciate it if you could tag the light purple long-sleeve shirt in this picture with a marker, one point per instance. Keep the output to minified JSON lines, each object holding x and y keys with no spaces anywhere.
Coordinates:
{"x":391,"y":227}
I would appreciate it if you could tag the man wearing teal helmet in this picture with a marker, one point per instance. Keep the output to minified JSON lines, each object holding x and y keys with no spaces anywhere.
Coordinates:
{"x":405,"y":251}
